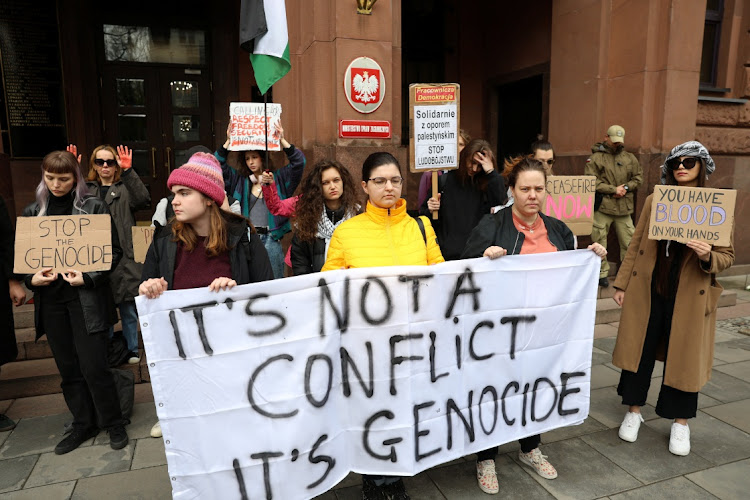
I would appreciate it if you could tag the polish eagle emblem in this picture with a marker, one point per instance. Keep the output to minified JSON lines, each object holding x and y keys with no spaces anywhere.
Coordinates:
{"x":366,"y":85}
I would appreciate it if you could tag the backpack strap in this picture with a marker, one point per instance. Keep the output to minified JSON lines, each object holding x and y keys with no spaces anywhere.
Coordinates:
{"x":420,"y":223}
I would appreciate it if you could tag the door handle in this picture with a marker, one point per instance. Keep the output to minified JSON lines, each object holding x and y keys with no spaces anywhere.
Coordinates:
{"x":168,"y":163}
{"x":153,"y":163}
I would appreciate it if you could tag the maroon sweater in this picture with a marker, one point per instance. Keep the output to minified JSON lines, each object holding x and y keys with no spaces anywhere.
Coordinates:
{"x":196,"y":269}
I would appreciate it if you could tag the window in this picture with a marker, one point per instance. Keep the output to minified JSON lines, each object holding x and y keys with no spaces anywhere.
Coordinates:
{"x":711,"y":37}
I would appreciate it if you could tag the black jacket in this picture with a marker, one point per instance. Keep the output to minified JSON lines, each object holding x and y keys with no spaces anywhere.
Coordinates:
{"x":498,"y":230}
{"x":8,"y":347}
{"x":95,"y":294}
{"x":461,"y":208}
{"x":248,"y":257}
{"x":307,"y":256}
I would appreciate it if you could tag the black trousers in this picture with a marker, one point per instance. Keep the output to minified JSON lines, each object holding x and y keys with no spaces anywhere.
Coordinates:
{"x":633,"y":387}
{"x":527,"y":444}
{"x":81,"y":358}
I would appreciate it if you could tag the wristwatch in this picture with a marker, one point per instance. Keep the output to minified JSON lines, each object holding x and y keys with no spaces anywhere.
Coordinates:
{"x":626,"y":187}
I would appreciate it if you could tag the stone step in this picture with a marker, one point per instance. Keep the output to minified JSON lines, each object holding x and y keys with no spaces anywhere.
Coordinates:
{"x":28,"y":348}
{"x":609,"y":312}
{"x":24,"y":316}
{"x":36,"y":377}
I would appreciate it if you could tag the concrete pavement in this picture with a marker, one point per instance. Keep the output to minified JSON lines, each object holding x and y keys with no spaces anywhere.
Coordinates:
{"x":591,"y":460}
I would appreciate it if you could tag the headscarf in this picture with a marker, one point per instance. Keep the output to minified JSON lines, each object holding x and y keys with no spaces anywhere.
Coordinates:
{"x":691,"y":148}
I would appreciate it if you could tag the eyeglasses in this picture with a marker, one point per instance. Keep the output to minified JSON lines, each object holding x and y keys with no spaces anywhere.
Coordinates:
{"x":110,"y":163}
{"x":688,"y":163}
{"x":380,"y":181}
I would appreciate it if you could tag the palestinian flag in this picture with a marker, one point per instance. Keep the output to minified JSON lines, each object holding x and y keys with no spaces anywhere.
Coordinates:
{"x":263,"y":33}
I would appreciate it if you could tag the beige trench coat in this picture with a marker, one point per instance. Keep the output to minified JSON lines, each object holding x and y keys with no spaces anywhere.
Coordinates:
{"x":691,"y":342}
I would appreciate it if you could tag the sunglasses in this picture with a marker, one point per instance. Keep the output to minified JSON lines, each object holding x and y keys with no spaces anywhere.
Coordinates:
{"x":688,"y":163}
{"x":100,"y":163}
{"x":548,"y":162}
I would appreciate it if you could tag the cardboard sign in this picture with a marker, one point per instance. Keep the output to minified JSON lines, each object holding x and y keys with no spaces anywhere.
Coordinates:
{"x":687,"y":213}
{"x":279,"y":389}
{"x":570,"y":198}
{"x":434,"y":117}
{"x":248,"y":131}
{"x":62,"y":242}
{"x":142,"y":237}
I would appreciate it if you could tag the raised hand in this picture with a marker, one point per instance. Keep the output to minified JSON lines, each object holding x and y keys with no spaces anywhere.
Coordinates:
{"x":266,"y":177}
{"x":124,"y":157}
{"x":73,"y":149}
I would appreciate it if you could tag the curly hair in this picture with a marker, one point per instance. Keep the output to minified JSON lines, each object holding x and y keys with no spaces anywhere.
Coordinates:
{"x":311,"y":201}
{"x":236,"y":160}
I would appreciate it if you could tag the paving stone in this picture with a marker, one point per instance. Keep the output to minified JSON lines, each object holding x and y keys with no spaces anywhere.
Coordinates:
{"x":737,"y":370}
{"x":582,"y":473}
{"x":726,"y":336}
{"x":460,"y":481}
{"x":587,"y":427}
{"x":599,"y":357}
{"x":5,"y":404}
{"x":726,"y":388}
{"x":146,"y":484}
{"x":14,"y":471}
{"x":149,"y":452}
{"x":732,"y":351}
{"x":653,"y":395}
{"x":648,"y":459}
{"x":33,"y":436}
{"x":730,"y":481}
{"x":607,"y":344}
{"x":38,"y":406}
{"x":604,"y":330}
{"x":3,"y":437}
{"x":51,"y":492}
{"x":83,"y":462}
{"x":710,"y":438}
{"x":602,"y":376}
{"x":606,"y":407}
{"x":735,"y":413}
{"x":678,"y":488}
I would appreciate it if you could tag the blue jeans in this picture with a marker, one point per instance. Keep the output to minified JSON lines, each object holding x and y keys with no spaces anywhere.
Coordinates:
{"x":129,"y":318}
{"x":275,"y":254}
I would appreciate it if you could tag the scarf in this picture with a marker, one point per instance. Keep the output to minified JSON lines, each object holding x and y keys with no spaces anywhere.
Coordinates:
{"x":326,"y":228}
{"x":690,"y":148}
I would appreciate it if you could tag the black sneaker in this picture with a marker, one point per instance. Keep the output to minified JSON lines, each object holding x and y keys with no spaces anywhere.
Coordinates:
{"x":370,"y":491}
{"x":75,"y":439}
{"x":6,"y":424}
{"x":118,"y":438}
{"x":603,"y":282}
{"x":396,"y":491}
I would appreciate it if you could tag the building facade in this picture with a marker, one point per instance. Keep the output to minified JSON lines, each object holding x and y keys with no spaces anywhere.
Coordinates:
{"x":159,"y":76}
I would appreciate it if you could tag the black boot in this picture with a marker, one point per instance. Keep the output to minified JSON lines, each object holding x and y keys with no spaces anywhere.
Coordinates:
{"x":75,"y":439}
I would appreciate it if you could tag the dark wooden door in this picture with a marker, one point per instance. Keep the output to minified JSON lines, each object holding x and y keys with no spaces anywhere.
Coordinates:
{"x":159,"y":112}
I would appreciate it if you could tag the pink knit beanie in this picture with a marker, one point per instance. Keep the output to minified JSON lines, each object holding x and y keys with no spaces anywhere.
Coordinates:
{"x":202,"y":172}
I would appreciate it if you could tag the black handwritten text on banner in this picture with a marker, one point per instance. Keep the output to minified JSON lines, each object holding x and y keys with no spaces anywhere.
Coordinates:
{"x":381,"y":371}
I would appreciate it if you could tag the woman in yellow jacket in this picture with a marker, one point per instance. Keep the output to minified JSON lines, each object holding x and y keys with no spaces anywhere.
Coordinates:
{"x":384,"y":235}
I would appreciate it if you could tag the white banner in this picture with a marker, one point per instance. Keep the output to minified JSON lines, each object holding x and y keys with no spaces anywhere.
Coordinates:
{"x":280,"y":389}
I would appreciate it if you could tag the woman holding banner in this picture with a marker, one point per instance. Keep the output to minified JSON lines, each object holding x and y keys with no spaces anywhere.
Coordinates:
{"x":466,"y":194}
{"x":242,"y":172}
{"x":385,"y":235}
{"x":522,"y":229}
{"x":112,"y":180}
{"x":207,"y":246}
{"x":75,"y":310}
{"x":668,"y":293}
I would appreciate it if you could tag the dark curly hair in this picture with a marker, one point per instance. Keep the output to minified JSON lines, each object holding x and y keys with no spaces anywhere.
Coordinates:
{"x":311,"y":201}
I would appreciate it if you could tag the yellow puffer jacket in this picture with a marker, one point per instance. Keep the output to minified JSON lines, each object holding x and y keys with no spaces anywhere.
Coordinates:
{"x":382,"y":237}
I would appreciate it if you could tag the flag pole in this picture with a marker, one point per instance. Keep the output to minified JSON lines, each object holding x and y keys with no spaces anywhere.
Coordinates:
{"x":265,"y":120}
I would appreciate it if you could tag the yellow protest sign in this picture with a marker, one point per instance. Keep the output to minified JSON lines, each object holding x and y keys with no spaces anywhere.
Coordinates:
{"x":687,"y":213}
{"x":142,"y":237}
{"x":62,"y":242}
{"x":570,"y":199}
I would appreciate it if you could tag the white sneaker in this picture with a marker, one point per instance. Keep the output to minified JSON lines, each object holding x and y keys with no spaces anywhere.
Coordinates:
{"x":679,"y":439}
{"x":156,"y":430}
{"x":133,"y":358}
{"x":629,"y":427}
